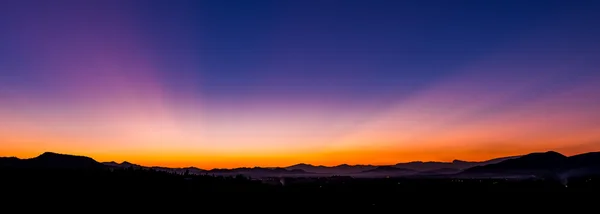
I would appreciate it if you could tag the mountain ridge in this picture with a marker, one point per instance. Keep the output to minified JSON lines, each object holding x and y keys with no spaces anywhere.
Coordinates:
{"x":53,"y":160}
{"x":540,"y":164}
{"x":537,"y":163}
{"x":413,"y":165}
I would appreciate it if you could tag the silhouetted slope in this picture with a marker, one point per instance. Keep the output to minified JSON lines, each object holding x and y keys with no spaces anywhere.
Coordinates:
{"x":124,"y":164}
{"x":257,"y":171}
{"x":456,"y":164}
{"x":497,"y":160}
{"x":127,"y":165}
{"x":122,"y":187}
{"x":415,"y":165}
{"x":388,"y":169}
{"x":55,"y":160}
{"x":111,"y":164}
{"x":546,"y":163}
{"x":534,"y":162}
{"x":50,"y":160}
{"x":10,"y":162}
{"x":339,"y":169}
{"x":591,"y":159}
{"x":442,"y":171}
{"x":297,"y":171}
{"x":433,"y":165}
{"x":581,"y":165}
{"x":193,"y":170}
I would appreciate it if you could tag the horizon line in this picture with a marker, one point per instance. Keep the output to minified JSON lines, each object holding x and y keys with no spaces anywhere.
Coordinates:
{"x":151,"y":166}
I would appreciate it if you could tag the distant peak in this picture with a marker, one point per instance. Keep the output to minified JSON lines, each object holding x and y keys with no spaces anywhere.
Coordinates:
{"x":52,"y":159}
{"x":302,"y":165}
{"x":50,"y":154}
{"x":54,"y":155}
{"x":546,"y":154}
{"x":387,"y":169}
{"x":554,"y":153}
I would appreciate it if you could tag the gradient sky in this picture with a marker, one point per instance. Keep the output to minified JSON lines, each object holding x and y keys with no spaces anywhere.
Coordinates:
{"x":246,"y":83}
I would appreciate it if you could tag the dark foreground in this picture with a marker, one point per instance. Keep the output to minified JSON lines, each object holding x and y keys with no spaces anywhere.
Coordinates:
{"x":144,"y":189}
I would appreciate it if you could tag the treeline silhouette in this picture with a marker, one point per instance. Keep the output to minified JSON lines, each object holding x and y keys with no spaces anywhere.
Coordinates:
{"x":129,"y":186}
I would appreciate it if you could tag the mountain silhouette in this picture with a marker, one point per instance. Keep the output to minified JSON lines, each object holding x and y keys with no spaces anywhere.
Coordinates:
{"x":124,"y":164}
{"x":533,"y":164}
{"x":339,"y":169}
{"x":456,"y":164}
{"x":547,"y":164}
{"x":10,"y":162}
{"x":389,"y":169}
{"x":530,"y":163}
{"x":386,"y":171}
{"x":591,"y":159}
{"x":442,"y":171}
{"x":581,"y":165}
{"x":431,"y":166}
{"x":53,"y":160}
{"x":255,"y":171}
{"x":258,"y":171}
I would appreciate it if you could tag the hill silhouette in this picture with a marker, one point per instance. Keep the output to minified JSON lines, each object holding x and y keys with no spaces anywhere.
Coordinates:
{"x":430,"y":167}
{"x":123,"y":164}
{"x":389,"y":169}
{"x":591,"y":159}
{"x":456,"y":164}
{"x":339,"y":169}
{"x":53,"y":160}
{"x":442,"y":171}
{"x":533,"y":164}
{"x":386,"y":171}
{"x":254,"y":171}
{"x":542,"y":164}
{"x":77,"y":179}
{"x":44,"y":178}
{"x":124,"y":186}
{"x":546,"y":161}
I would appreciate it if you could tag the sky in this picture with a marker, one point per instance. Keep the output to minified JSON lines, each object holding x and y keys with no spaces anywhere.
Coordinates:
{"x":219,"y":84}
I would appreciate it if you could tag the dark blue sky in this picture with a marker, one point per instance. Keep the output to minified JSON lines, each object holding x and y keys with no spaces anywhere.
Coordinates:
{"x":348,"y":48}
{"x":332,"y":48}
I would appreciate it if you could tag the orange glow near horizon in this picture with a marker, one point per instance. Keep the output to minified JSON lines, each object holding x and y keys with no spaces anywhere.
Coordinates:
{"x":443,"y":123}
{"x":429,"y":127}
